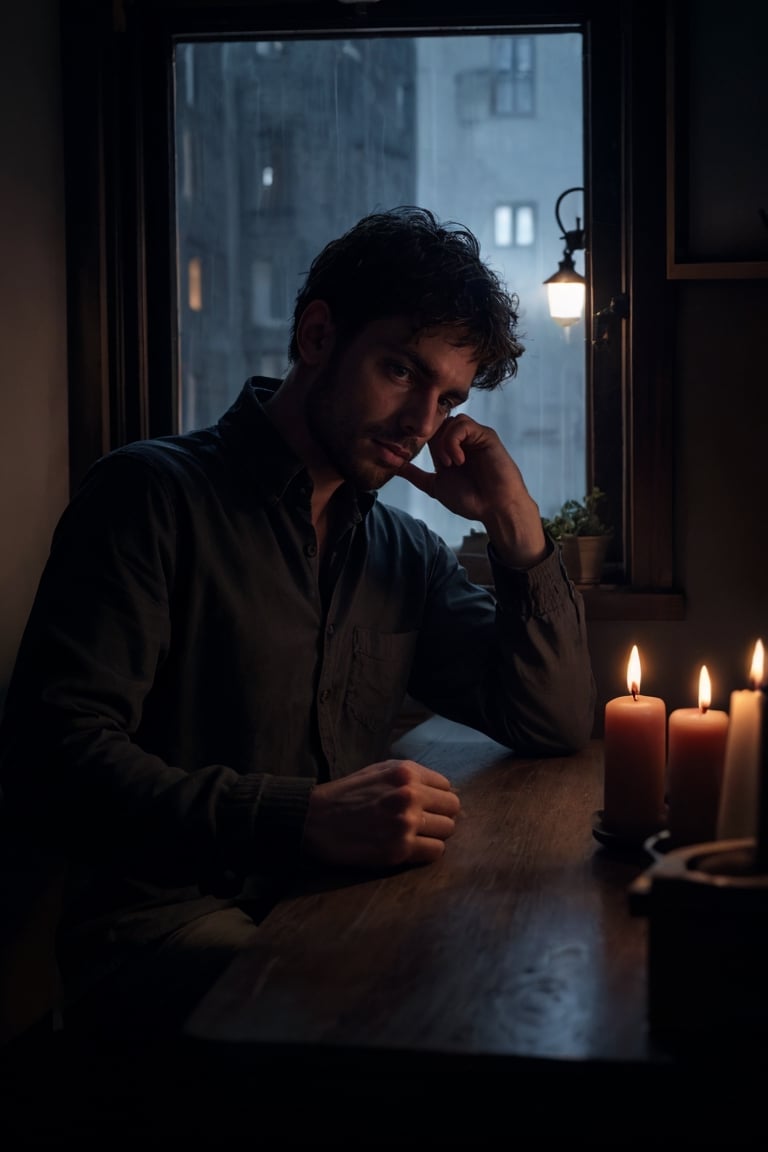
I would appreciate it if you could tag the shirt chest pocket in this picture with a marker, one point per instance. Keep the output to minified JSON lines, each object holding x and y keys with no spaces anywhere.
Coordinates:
{"x":381,"y":665}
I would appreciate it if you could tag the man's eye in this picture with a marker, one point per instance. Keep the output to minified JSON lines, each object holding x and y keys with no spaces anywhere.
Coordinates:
{"x":400,"y":371}
{"x":448,"y":403}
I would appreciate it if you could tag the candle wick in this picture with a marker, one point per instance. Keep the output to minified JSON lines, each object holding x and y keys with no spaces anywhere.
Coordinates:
{"x":703,"y":708}
{"x":634,"y":692}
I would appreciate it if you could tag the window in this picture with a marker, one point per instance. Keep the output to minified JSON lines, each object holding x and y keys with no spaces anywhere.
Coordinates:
{"x":514,"y":225}
{"x":502,"y":81}
{"x":513,"y":76}
{"x":269,"y":306}
{"x":128,"y":191}
{"x":346,"y":161}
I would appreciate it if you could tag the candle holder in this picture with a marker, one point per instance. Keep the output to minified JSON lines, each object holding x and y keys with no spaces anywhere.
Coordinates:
{"x":707,"y":910}
{"x":623,"y":840}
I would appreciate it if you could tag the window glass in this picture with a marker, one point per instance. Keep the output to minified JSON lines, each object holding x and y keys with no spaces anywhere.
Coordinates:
{"x":524,"y":224}
{"x":298,"y":139}
{"x":502,"y":226}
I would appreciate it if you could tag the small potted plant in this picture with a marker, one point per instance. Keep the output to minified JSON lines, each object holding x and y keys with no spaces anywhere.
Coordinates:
{"x":583,"y":535}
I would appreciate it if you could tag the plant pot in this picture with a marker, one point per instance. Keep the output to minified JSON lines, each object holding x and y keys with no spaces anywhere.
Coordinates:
{"x":473,"y":556}
{"x":584,"y":557}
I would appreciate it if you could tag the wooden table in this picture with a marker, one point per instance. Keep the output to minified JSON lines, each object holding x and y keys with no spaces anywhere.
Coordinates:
{"x":514,"y":961}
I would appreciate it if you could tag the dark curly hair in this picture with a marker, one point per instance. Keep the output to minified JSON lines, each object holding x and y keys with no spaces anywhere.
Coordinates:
{"x":405,"y":262}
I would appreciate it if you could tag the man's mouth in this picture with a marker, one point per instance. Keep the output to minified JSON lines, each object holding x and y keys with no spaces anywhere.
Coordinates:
{"x":393,"y":455}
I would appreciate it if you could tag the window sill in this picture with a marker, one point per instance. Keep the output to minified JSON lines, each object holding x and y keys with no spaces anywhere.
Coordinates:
{"x":610,"y":602}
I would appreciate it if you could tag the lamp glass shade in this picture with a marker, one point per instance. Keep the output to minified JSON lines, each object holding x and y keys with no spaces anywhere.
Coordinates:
{"x":566,"y":300}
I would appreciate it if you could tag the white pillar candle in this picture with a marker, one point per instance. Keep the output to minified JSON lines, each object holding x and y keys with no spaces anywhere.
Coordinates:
{"x":739,"y":796}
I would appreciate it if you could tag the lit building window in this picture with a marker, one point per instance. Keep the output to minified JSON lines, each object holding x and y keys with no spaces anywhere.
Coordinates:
{"x":502,"y":226}
{"x":514,"y":225}
{"x":195,"y":284}
{"x":524,"y":225}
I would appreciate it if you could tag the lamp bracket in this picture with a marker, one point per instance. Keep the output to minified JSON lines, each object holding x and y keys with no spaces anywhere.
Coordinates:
{"x":566,"y":288}
{"x":576,"y":238}
{"x":604,"y":318}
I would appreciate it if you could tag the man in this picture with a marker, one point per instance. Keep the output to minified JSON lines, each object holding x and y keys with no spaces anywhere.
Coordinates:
{"x":229,"y":621}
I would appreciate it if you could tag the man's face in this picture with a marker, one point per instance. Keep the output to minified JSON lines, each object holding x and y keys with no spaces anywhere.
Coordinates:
{"x":376,"y":403}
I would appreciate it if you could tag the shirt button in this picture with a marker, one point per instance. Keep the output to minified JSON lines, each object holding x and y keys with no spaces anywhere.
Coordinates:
{"x":325,"y":695}
{"x":310,"y":550}
{"x":330,"y":630}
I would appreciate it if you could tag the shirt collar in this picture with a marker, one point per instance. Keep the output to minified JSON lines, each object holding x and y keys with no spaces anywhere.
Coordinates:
{"x":267,"y":463}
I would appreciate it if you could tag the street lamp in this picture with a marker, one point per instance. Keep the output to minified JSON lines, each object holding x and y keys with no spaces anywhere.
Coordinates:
{"x":566,"y":289}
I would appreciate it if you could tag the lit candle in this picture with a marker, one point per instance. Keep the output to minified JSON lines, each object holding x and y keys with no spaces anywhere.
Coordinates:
{"x":635,"y":759}
{"x":739,"y":795}
{"x":697,"y":738}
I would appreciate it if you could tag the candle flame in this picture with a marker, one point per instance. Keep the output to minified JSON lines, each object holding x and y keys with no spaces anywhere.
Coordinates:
{"x":633,"y":672}
{"x":705,"y":689}
{"x":758,"y":664}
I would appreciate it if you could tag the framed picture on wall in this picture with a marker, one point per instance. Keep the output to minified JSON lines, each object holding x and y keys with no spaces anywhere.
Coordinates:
{"x":717,"y":140}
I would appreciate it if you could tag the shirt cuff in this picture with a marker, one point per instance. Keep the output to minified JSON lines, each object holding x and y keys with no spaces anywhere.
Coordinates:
{"x":535,"y":592}
{"x":262,"y":823}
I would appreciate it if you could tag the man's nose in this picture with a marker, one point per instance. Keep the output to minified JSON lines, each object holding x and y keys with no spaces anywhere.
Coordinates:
{"x":420,"y":416}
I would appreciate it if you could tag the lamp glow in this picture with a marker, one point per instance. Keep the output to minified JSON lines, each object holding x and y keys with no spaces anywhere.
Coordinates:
{"x":566,"y":291}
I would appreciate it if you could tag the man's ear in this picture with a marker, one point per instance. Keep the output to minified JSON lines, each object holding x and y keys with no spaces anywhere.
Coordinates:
{"x":315,"y":333}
